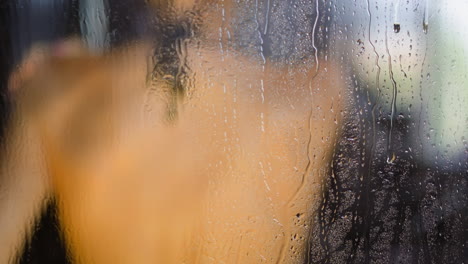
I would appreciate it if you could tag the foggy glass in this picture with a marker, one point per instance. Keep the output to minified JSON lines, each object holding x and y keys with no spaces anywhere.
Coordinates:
{"x":339,"y":128}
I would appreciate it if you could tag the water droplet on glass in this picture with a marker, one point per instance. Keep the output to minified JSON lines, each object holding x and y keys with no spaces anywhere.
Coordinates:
{"x":426,"y":17}
{"x":391,"y":159}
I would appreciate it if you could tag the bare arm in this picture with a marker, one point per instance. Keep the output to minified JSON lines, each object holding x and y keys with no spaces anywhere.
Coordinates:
{"x":23,"y":189}
{"x":23,"y":181}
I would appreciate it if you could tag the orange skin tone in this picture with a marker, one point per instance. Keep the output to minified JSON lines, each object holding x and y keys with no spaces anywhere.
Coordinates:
{"x":234,"y":179}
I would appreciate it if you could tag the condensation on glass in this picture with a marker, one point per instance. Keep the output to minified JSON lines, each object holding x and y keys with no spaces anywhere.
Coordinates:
{"x":221,"y":131}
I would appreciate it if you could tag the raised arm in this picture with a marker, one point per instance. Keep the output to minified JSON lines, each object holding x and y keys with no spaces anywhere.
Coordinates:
{"x":23,"y":187}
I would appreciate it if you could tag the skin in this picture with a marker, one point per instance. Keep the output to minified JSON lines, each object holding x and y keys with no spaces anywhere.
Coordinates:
{"x":235,"y":178}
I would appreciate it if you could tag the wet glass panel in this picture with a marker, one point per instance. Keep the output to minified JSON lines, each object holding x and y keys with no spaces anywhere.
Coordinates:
{"x":221,"y":131}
